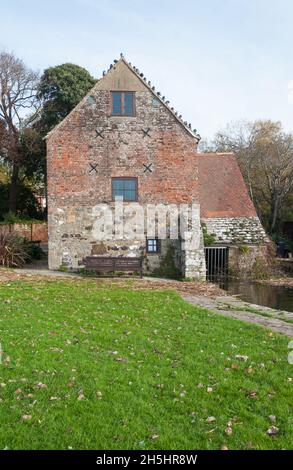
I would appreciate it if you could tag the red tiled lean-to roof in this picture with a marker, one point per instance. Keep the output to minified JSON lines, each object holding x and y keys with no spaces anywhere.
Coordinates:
{"x":222,"y":191}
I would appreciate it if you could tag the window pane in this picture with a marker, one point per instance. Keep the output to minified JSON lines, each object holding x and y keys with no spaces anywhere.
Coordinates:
{"x":128,"y":103}
{"x":118,"y":184}
{"x":153,"y":246}
{"x":129,"y":195}
{"x":124,"y":187}
{"x":129,"y":184}
{"x":116,"y":102}
{"x":118,"y":192}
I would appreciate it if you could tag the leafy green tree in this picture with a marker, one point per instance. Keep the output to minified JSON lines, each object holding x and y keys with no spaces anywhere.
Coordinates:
{"x":61,"y":88}
{"x":33,"y":150}
{"x":27,"y":207}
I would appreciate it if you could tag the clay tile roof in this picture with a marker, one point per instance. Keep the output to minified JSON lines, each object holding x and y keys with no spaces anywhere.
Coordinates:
{"x":222,"y":190}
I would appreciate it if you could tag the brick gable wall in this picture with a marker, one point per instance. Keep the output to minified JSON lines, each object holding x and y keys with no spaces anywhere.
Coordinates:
{"x":74,"y":148}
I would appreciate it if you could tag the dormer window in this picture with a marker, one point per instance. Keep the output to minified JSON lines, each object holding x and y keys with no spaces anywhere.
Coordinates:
{"x":123,"y":103}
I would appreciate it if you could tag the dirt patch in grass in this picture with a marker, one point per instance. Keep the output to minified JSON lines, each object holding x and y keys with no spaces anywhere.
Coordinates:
{"x":190,"y":287}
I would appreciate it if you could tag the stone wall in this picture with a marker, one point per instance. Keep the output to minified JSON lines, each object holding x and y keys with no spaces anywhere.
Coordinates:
{"x":31,"y":231}
{"x":249,"y":254}
{"x":75,"y":236}
{"x":250,"y":261}
{"x":236,"y":230}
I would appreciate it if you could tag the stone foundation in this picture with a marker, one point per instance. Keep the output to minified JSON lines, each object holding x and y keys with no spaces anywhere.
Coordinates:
{"x":74,"y":235}
{"x":249,"y":261}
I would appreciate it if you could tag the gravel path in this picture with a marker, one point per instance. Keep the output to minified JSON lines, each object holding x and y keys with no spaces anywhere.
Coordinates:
{"x":229,"y":306}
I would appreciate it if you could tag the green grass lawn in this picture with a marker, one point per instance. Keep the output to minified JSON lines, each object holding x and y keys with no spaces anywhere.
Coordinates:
{"x":87,"y":365}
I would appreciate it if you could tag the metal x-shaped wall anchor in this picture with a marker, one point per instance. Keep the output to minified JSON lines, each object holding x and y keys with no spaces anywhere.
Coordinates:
{"x":99,"y":133}
{"x":93,"y":167}
{"x":146,"y":132}
{"x":147,"y":167}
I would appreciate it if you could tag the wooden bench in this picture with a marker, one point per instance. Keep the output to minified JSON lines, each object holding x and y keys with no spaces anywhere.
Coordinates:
{"x":105,"y":264}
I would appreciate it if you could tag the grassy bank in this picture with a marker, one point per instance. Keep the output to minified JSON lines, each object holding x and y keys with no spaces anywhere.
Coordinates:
{"x":87,"y":366}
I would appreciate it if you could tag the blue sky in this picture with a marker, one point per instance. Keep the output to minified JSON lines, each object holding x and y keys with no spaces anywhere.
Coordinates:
{"x":215,"y":60}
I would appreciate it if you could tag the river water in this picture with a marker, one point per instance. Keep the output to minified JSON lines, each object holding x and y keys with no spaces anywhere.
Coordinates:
{"x":277,"y":297}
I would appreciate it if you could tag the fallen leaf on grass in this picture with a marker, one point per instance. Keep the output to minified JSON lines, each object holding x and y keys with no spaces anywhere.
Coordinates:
{"x":228,"y":430}
{"x":40,"y":385}
{"x":80,"y":395}
{"x":249,"y":393}
{"x":210,"y":419}
{"x":59,"y":350}
{"x":120,"y":359}
{"x":241,"y":357}
{"x":26,"y":417}
{"x":160,"y":386}
{"x":272,"y":431}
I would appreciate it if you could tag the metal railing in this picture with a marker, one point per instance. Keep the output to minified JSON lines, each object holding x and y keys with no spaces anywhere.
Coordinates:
{"x":217,"y":261}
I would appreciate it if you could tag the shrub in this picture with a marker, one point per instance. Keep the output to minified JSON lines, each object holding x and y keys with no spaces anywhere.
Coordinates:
{"x":208,"y":239}
{"x":288,"y":244}
{"x":33,"y":250}
{"x":244,"y":249}
{"x":27,"y":204}
{"x":63,"y":269}
{"x":12,"y":219}
{"x":167,"y":268}
{"x":260,"y":270}
{"x":13,"y":251}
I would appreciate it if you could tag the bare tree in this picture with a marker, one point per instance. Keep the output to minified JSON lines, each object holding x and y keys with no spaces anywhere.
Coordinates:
{"x":265,"y":156}
{"x":276,"y":163}
{"x":18,"y":109}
